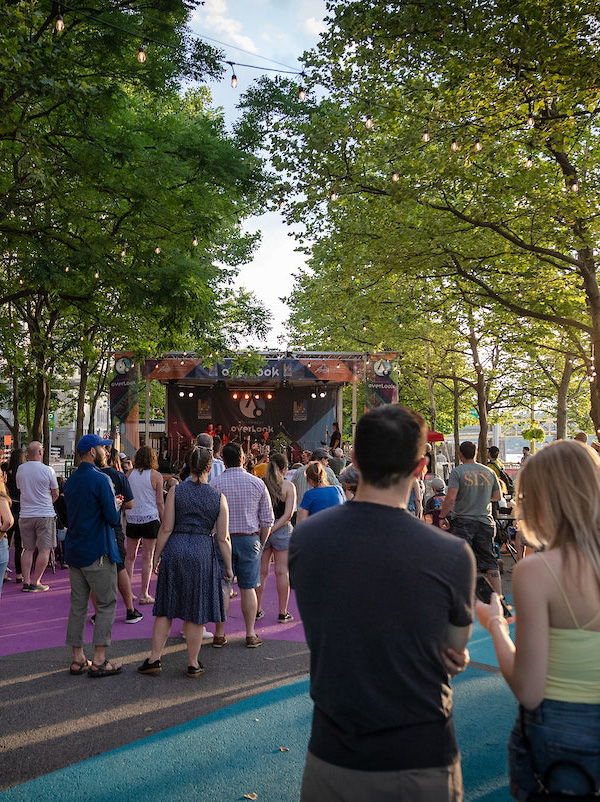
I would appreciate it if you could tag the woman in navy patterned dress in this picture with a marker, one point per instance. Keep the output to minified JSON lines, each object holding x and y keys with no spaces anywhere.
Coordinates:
{"x":189,"y":579}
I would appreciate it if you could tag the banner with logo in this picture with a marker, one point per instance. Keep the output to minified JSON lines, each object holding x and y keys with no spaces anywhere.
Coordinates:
{"x":380,"y":384}
{"x":290,"y":415}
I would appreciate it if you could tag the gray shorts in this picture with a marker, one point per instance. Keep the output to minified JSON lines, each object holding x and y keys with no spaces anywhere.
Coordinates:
{"x":280,"y":540}
{"x":324,"y":782}
{"x":38,"y":533}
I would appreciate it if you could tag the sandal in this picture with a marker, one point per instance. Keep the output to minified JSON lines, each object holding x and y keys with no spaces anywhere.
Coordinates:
{"x":146,"y":600}
{"x":95,"y":672}
{"x":81,"y":667}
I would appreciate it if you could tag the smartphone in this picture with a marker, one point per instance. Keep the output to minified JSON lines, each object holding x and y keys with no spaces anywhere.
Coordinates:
{"x":483,"y":589}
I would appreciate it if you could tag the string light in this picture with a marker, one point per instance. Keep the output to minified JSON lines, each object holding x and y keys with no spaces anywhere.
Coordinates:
{"x":426,"y":136}
{"x":454,"y":145}
{"x":96,"y":274}
{"x":157,"y":250}
{"x":123,"y":252}
{"x":531,"y":121}
{"x":67,"y":269}
{"x":301,"y":93}
{"x":334,"y":196}
{"x":21,"y":282}
{"x":195,"y":242}
{"x":233,"y":75}
{"x":395,"y":177}
{"x":369,"y":121}
{"x":478,"y":145}
{"x":141,"y":56}
{"x":239,"y":224}
{"x":59,"y":25}
{"x":313,"y":394}
{"x":574,"y":186}
{"x":529,"y":161}
{"x":269,"y":396}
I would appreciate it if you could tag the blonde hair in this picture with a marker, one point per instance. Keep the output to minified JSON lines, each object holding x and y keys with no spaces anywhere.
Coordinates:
{"x":558,"y":500}
{"x":315,"y":472}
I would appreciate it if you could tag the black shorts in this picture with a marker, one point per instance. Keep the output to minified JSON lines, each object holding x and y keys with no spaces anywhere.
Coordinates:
{"x":122,"y":550}
{"x":148,"y":531}
{"x":480,"y":538}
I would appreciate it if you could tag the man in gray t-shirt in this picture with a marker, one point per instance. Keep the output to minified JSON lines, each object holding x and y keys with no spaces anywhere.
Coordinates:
{"x":471,"y":489}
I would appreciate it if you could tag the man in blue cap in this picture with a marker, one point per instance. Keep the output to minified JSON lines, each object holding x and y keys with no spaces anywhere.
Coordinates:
{"x":92,"y":555}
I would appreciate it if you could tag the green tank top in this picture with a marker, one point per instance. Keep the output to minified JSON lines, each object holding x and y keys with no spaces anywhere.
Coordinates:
{"x":573,"y":672}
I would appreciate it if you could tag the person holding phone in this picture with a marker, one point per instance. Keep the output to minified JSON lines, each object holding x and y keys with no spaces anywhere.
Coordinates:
{"x":553,"y":667}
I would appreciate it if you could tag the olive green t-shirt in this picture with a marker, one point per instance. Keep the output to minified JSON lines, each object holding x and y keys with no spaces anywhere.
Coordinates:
{"x":476,"y":484}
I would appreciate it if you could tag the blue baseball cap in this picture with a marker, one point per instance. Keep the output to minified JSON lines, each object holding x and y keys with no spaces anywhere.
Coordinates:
{"x":89,"y":441}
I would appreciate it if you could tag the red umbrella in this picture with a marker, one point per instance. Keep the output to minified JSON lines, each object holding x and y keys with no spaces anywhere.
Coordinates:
{"x":435,"y":437}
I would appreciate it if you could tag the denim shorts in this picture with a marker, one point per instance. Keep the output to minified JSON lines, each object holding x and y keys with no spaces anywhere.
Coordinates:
{"x":246,"y":552}
{"x":280,"y":540}
{"x":480,"y":538}
{"x":3,"y":560}
{"x":564,"y":749}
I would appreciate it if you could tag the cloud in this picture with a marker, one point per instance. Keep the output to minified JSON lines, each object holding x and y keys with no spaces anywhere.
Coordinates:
{"x":216,"y":19}
{"x":314,"y":26}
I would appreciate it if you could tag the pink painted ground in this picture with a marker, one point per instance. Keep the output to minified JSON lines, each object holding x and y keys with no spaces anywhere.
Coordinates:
{"x":31,"y":621}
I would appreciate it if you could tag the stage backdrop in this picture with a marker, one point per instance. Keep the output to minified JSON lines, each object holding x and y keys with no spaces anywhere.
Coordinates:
{"x":292,"y":414}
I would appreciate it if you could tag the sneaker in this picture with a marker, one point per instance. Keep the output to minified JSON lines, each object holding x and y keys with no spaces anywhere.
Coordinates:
{"x":253,"y":642}
{"x":150,"y":668}
{"x":192,"y":671}
{"x":260,"y":614}
{"x":37,"y":588}
{"x":285,"y":617}
{"x":93,"y":619}
{"x":219,"y":642}
{"x":133,"y":616}
{"x":206,"y":635}
{"x":19,"y":580}
{"x":26,"y":587}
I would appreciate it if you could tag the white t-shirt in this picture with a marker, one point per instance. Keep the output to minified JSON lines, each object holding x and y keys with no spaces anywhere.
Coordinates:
{"x":35,"y":480}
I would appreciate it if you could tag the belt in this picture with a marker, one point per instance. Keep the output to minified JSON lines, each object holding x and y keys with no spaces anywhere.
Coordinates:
{"x":244,"y":534}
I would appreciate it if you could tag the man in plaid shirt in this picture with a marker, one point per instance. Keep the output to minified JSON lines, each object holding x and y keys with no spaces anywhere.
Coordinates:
{"x":250,"y":521}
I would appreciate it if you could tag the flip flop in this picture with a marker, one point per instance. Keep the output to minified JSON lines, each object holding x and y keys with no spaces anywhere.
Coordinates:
{"x":83,"y":667}
{"x":103,"y":671}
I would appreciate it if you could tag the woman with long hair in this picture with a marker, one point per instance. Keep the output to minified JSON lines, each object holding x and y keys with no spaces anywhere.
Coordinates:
{"x":283,"y":499}
{"x":321,"y":494}
{"x":553,"y":668}
{"x":189,"y":576}
{"x":17,"y":457}
{"x":6,"y":521}
{"x":143,"y":520}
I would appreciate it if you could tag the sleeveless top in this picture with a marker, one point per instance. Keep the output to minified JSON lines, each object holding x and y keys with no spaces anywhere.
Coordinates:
{"x":144,"y":498}
{"x":573,"y":672}
{"x":197,"y":508}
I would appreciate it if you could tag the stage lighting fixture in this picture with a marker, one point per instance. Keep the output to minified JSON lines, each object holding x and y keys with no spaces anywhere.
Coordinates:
{"x":269,"y":396}
{"x":322,"y":394}
{"x":181,"y":394}
{"x":313,"y":394}
{"x":190,"y":395}
{"x":235,"y":396}
{"x":247,"y":396}
{"x":256,"y":395}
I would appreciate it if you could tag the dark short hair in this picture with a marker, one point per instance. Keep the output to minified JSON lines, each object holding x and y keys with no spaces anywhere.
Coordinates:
{"x":493,"y":451}
{"x":390,"y":441}
{"x":468,"y":449}
{"x":216,"y":443}
{"x":233,"y":456}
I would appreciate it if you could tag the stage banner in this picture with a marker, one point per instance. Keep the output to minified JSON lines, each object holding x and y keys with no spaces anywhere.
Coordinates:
{"x":289,"y":416}
{"x":380,"y":385}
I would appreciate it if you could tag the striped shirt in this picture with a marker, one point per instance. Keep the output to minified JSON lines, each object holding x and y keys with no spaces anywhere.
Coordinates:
{"x":249,"y":503}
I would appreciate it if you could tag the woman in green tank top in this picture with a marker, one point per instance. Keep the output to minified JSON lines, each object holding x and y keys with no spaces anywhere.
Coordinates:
{"x":553,"y":667}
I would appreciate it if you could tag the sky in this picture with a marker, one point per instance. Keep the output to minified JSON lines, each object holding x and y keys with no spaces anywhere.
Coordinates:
{"x":280,"y":30}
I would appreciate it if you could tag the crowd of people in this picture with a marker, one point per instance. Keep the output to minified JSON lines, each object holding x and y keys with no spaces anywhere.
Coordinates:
{"x":384,"y":533}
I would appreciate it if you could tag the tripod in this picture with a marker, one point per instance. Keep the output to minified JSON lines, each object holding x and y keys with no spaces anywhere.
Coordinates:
{"x":503,"y":524}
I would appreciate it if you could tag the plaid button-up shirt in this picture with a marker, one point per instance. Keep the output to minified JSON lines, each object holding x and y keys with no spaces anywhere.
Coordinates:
{"x":249,"y":502}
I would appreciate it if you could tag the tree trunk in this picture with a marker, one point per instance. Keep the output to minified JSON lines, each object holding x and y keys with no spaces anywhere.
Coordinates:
{"x":561,"y":402}
{"x":15,"y":399}
{"x":37,"y":425}
{"x":588,"y":273}
{"x":83,"y":380}
{"x":456,"y":418}
{"x":46,"y":423}
{"x":432,"y":407}
{"x":482,"y":408}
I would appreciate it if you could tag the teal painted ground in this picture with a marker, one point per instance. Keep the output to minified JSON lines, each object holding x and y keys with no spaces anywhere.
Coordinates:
{"x":236,"y":750}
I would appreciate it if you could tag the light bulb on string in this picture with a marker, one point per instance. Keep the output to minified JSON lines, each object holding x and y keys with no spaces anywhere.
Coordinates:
{"x":67,"y":269}
{"x":59,"y":25}
{"x":395,"y":177}
{"x":333,"y":196}
{"x":195,"y":242}
{"x":157,"y":250}
{"x":426,"y":135}
{"x":574,"y":186}
{"x":301,"y":94}
{"x":529,"y":161}
{"x":233,"y":75}
{"x":141,"y":56}
{"x":454,"y":145}
{"x":96,"y":274}
{"x":21,"y":282}
{"x":478,"y":145}
{"x":531,"y":121}
{"x":123,"y":253}
{"x":369,"y":121}
{"x":239,"y":224}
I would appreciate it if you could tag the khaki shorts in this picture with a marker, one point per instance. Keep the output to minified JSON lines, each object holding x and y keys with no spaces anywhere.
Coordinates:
{"x":324,"y":782}
{"x":38,"y":533}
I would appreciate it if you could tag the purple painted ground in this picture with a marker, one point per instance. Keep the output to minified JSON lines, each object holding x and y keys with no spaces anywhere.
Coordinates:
{"x":30,"y":621}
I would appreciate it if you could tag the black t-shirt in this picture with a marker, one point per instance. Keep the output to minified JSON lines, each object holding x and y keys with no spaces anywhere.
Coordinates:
{"x":335,"y":440}
{"x":121,"y":487}
{"x":376,"y":589}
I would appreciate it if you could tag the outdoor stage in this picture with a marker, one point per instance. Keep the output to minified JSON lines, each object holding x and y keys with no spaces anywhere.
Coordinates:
{"x":289,"y":402}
